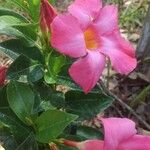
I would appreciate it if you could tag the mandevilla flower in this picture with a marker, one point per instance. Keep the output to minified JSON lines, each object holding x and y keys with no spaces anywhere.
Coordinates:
{"x":47,"y":14}
{"x":120,"y":134}
{"x":90,"y":32}
{"x":3,"y":71}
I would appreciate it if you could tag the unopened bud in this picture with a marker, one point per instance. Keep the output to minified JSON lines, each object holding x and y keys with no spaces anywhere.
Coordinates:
{"x":3,"y":70}
{"x":47,"y":14}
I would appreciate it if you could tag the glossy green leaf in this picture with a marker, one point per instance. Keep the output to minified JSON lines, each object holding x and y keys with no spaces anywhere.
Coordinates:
{"x":55,"y":64}
{"x":88,"y":133}
{"x":29,"y":143}
{"x":29,"y":30}
{"x":81,"y":133}
{"x":20,"y":3}
{"x":30,"y":6}
{"x":21,"y":100}
{"x":8,"y":52}
{"x":8,"y":140}
{"x":14,"y":47}
{"x":16,"y":129}
{"x":14,"y":27}
{"x":51,"y":124}
{"x":14,"y":33}
{"x":57,"y":99}
{"x":6,"y":21}
{"x":23,"y":66}
{"x":86,"y":106}
{"x":64,"y":78}
{"x":3,"y":97}
{"x":5,"y":11}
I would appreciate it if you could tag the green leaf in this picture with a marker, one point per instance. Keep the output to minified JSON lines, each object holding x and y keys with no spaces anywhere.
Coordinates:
{"x":8,"y":140}
{"x":51,"y":124}
{"x":89,"y":133}
{"x":6,"y":21}
{"x":34,"y":9}
{"x":86,"y":106}
{"x":64,"y":78}
{"x":10,"y":31}
{"x":81,"y":133}
{"x":14,"y":27}
{"x":16,"y":129}
{"x":29,"y":30}
{"x":20,"y":3}
{"x":3,"y":97}
{"x":14,"y":47}
{"x":31,"y":7}
{"x":21,"y":101}
{"x":8,"y":52}
{"x":57,"y":99}
{"x":55,"y":64}
{"x":31,"y":69}
{"x":4,"y":11}
{"x":29,"y":143}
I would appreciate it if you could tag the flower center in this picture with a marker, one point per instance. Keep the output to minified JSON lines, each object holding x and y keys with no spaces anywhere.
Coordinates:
{"x":90,"y":39}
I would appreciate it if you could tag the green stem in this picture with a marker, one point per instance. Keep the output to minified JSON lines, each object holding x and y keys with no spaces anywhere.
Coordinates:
{"x":141,"y":97}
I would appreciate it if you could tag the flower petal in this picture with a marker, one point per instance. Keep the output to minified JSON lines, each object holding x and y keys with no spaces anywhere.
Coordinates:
{"x":85,"y":10}
{"x":120,"y":52}
{"x":86,"y":71}
{"x":3,"y":71}
{"x":67,"y":36}
{"x":107,"y":21}
{"x":91,"y":145}
{"x":137,"y":142}
{"x":116,"y":131}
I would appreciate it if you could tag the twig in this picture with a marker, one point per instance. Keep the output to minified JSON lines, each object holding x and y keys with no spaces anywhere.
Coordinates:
{"x":108,"y":73}
{"x":125,"y":105}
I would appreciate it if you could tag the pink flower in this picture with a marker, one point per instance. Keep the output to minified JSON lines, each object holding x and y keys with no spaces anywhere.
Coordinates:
{"x":120,"y":134}
{"x":47,"y":14}
{"x":91,"y":33}
{"x":3,"y":71}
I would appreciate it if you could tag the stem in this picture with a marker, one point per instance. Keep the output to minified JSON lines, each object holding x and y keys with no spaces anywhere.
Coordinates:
{"x":124,"y":104}
{"x":108,"y":73}
{"x":70,"y":143}
{"x":141,"y":96}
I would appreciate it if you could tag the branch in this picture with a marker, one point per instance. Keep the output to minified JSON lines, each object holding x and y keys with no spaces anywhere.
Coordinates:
{"x":101,"y":86}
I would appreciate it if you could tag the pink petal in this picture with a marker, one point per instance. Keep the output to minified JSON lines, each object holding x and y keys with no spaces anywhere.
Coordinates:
{"x":91,"y":145}
{"x":3,"y":71}
{"x":67,"y":36}
{"x":107,"y":21}
{"x":136,"y":142}
{"x":86,"y":71}
{"x":85,"y":10}
{"x":117,"y":130}
{"x":120,"y":52}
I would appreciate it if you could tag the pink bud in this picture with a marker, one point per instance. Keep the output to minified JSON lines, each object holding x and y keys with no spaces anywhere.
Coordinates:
{"x":85,"y":145}
{"x":3,"y":71}
{"x":47,"y":14}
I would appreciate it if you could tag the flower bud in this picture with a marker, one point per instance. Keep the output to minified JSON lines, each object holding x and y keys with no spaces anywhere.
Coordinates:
{"x":3,"y":71}
{"x":85,"y":145}
{"x":47,"y":14}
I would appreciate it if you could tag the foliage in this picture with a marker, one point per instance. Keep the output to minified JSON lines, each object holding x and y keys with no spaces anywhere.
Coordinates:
{"x":33,"y":112}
